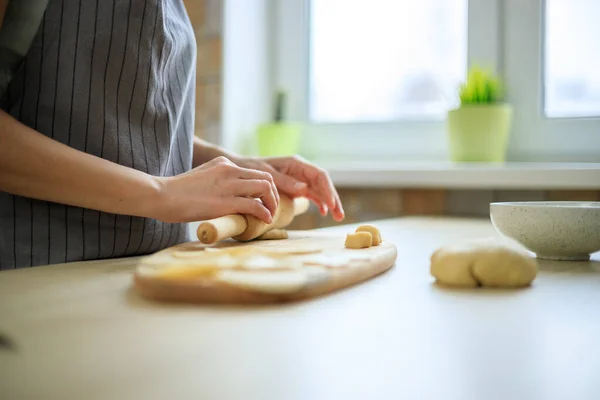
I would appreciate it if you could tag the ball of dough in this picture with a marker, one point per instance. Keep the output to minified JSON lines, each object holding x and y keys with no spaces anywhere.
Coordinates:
{"x":375,"y":233}
{"x":358,"y":240}
{"x":483,"y":262}
{"x":274,"y":234}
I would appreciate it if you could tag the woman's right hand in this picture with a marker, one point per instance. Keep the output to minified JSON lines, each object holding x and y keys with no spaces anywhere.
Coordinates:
{"x":214,"y":189}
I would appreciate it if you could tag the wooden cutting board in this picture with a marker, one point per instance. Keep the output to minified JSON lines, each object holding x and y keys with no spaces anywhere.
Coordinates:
{"x":306,"y":265}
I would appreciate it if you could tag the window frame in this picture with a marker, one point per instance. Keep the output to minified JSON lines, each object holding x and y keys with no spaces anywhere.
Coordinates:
{"x":500,"y":35}
{"x":536,"y":136}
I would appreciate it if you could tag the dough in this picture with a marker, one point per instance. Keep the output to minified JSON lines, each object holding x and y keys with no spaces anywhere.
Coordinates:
{"x":284,"y":214}
{"x":376,"y":241}
{"x":274,"y":234}
{"x":483,"y":262}
{"x":275,"y":282}
{"x":188,"y":254}
{"x":358,"y":240}
{"x":187,"y":272}
{"x":290,"y":250}
{"x":263,"y":262}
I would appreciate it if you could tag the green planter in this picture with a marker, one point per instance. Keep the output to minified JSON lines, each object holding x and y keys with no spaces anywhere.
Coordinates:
{"x":278,"y":139}
{"x":479,"y":132}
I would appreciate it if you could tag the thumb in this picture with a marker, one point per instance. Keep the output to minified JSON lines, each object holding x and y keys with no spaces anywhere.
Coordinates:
{"x":289,"y":185}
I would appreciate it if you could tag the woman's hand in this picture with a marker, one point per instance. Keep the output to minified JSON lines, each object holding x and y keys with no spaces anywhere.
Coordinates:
{"x":216,"y":188}
{"x":295,"y":177}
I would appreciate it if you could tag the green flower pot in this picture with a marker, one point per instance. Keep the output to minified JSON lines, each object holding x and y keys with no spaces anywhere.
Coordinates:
{"x":278,"y":139}
{"x":479,"y":133}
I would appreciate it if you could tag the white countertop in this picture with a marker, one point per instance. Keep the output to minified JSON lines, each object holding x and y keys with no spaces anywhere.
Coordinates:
{"x":82,"y":334}
{"x":465,"y":175}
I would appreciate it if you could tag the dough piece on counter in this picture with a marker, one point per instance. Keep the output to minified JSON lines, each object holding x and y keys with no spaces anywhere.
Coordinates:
{"x":358,"y":240}
{"x":483,"y":262}
{"x":274,"y":234}
{"x":453,"y":268}
{"x":375,"y":233}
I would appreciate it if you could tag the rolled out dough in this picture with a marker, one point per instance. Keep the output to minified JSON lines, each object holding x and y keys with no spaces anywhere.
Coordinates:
{"x":274,"y":234}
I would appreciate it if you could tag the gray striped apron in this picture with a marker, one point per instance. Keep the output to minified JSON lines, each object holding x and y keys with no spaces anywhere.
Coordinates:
{"x":112,"y":78}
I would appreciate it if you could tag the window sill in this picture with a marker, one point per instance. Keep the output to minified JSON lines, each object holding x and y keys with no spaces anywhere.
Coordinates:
{"x":510,"y":175}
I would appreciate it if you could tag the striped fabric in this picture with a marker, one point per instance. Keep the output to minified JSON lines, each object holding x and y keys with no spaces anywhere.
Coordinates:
{"x":113,"y":78}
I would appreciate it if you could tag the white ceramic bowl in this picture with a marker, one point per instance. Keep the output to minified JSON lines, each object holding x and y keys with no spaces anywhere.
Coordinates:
{"x":553,"y":230}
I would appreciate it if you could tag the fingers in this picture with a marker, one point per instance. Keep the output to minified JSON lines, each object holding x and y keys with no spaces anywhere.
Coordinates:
{"x":257,"y":188}
{"x":320,"y":186}
{"x":229,"y":169}
{"x":253,"y":174}
{"x":249,"y":206}
{"x":244,"y":182}
{"x":289,"y":185}
{"x":312,"y":196}
{"x":334,"y":203}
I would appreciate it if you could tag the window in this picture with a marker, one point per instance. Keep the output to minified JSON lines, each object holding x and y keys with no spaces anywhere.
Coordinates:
{"x":381,"y":60}
{"x":373,"y":79}
{"x":572,"y":58}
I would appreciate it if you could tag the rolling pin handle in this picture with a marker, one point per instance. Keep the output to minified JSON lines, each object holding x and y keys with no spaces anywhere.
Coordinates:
{"x":217,"y":229}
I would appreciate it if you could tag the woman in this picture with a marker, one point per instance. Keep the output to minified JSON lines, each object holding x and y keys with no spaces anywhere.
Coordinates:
{"x":97,"y":153}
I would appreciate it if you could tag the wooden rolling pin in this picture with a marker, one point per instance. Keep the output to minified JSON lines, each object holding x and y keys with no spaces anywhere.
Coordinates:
{"x":247,"y":227}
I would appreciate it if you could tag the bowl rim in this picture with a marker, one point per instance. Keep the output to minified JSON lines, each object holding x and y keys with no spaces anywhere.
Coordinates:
{"x":574,"y":205}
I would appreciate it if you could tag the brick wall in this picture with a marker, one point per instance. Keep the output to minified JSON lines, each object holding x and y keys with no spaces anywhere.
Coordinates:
{"x":207,"y":18}
{"x":372,"y":204}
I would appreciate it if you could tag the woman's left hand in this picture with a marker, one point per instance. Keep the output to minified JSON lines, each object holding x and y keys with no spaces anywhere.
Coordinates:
{"x":296,"y":177}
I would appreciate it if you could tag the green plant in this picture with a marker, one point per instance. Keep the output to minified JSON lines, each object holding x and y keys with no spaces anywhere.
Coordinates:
{"x":481,"y":87}
{"x":279,"y":108}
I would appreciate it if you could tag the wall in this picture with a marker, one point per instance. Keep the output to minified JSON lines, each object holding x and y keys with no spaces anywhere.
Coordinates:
{"x":372,"y":204}
{"x":246,"y":72}
{"x":207,"y":19}
{"x":232,"y":97}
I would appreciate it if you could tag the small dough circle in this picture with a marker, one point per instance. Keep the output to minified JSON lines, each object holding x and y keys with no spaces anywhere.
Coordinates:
{"x":358,"y":240}
{"x":483,"y":262}
{"x":375,"y":233}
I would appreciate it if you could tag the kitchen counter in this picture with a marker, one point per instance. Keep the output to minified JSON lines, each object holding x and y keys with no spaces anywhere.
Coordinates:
{"x":81,"y":333}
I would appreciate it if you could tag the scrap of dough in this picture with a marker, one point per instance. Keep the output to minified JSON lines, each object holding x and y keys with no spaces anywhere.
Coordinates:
{"x":188,"y":254}
{"x":358,"y":240}
{"x":274,"y":234}
{"x":235,"y":250}
{"x":275,"y":282}
{"x":250,"y":250}
{"x":261,"y":262}
{"x":187,"y":272}
{"x":326,"y":260}
{"x":485,"y":262}
{"x":375,"y":233}
{"x":290,"y":250}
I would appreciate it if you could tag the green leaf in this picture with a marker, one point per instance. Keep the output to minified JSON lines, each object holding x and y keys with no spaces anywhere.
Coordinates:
{"x":481,"y":87}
